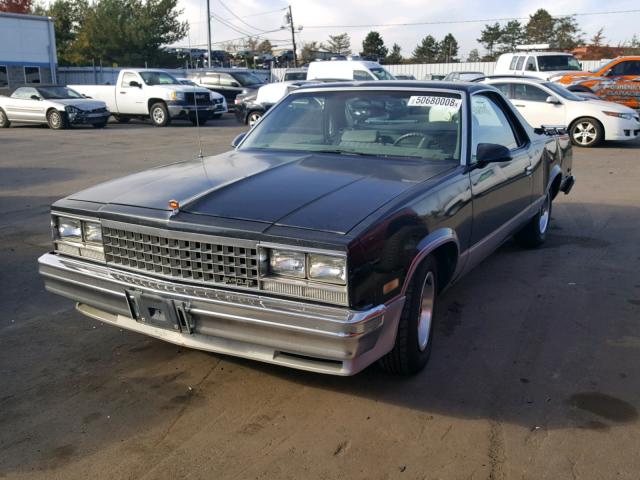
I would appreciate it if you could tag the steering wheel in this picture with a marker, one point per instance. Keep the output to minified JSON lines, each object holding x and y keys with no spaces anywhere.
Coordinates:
{"x":422,"y":136}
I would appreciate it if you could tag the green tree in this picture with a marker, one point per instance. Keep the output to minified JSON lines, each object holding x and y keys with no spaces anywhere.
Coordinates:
{"x":474,"y":56}
{"x":426,"y":51}
{"x":566,"y":33}
{"x":511,"y":35}
{"x":265,"y":47}
{"x":540,"y":28}
{"x":489,"y":38}
{"x":339,"y":44}
{"x":373,"y":46}
{"x":307,"y":52}
{"x":68,"y":16}
{"x":448,"y":49}
{"x":395,"y":56}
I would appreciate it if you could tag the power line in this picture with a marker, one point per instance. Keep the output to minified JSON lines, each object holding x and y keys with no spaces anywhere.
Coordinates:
{"x":232,"y":26}
{"x":451,"y":22}
{"x":238,"y":18}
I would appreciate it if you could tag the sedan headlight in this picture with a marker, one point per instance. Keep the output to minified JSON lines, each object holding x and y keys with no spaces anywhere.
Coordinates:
{"x":69,"y":229}
{"x":78,"y":237}
{"x":92,"y":232}
{"x":290,"y":264}
{"x":328,"y":268}
{"x":626,"y":116}
{"x":72,"y":109}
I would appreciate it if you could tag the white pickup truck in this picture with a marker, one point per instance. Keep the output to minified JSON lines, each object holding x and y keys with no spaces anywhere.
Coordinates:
{"x":155,"y":94}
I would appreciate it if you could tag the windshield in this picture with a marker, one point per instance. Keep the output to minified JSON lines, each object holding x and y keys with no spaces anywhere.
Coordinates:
{"x":246,"y":79}
{"x":159,"y":78}
{"x":552,"y":63}
{"x":563,"y":92}
{"x":424,"y":125}
{"x":381,"y":74}
{"x":57,"y":93}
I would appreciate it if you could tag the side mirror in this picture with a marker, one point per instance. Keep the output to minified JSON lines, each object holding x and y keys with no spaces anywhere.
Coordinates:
{"x":133,"y":83}
{"x":236,"y":141}
{"x":553,"y":100}
{"x":35,"y":97}
{"x":491,"y":153}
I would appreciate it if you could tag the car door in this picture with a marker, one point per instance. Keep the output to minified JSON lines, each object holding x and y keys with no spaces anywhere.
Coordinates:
{"x":131,"y":100}
{"x":24,"y":107}
{"x":500,"y":190}
{"x":531,"y":102}
{"x":230,"y":87}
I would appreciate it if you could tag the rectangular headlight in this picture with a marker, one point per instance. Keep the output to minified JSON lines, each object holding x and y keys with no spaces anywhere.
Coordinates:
{"x":92,"y":232}
{"x":69,"y":229}
{"x":290,"y":264}
{"x":327,"y":268}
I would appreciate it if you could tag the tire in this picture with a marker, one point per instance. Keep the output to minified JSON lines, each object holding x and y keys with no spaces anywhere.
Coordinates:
{"x":159,"y":115}
{"x":56,"y":120}
{"x":586,"y":132}
{"x":253,"y":118}
{"x":4,"y":120}
{"x":534,"y":233}
{"x":121,"y":119}
{"x":412,"y":349}
{"x":99,"y":125}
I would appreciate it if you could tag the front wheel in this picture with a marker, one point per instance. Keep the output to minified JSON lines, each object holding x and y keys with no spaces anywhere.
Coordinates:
{"x":586,"y":132}
{"x":4,"y":120}
{"x":56,"y":120}
{"x":534,"y":233}
{"x":412,"y":349}
{"x":159,"y":115}
{"x":253,"y":118}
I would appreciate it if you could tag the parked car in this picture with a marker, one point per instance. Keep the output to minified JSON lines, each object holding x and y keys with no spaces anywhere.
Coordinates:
{"x":434,"y":76}
{"x":293,"y":74}
{"x":228,"y":82}
{"x":55,"y":105}
{"x":590,"y":122}
{"x":462,"y":76}
{"x":359,"y":70}
{"x":155,"y":94}
{"x":543,"y":65}
{"x":324,"y":239}
{"x":404,"y":76}
{"x":616,"y":81}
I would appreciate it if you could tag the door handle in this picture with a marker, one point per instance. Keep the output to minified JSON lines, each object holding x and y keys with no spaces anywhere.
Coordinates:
{"x":519,"y":105}
{"x":123,"y":93}
{"x":528,"y":170}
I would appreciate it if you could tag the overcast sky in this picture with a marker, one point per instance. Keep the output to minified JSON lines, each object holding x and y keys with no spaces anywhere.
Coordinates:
{"x":310,"y":13}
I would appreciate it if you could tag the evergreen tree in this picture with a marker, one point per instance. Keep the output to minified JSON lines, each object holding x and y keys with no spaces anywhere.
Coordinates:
{"x":426,"y":51}
{"x":395,"y":56}
{"x":339,"y":44}
{"x":373,"y":46}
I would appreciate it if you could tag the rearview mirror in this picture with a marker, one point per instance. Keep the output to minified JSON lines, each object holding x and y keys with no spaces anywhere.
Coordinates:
{"x":133,"y":83}
{"x":492,"y":152}
{"x":236,"y":141}
{"x":35,"y":97}
{"x":553,"y":100}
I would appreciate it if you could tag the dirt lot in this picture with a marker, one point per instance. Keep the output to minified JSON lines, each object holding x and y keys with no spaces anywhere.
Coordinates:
{"x":535,"y":372}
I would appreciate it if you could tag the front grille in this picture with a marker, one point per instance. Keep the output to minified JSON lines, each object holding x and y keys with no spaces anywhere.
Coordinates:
{"x":99,"y":110}
{"x":201,"y":98}
{"x":180,"y":258}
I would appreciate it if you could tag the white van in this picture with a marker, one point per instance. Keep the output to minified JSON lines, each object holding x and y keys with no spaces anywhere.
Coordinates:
{"x":358,"y":70}
{"x":536,"y":64}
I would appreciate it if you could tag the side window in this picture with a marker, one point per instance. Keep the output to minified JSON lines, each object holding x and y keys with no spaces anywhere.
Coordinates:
{"x":634,"y":68}
{"x":227,"y":80}
{"x":529,"y":93}
{"x":362,"y":75}
{"x":31,"y":74}
{"x":490,"y":125}
{"x":531,"y":64}
{"x":514,"y":61}
{"x":210,"y":79}
{"x":631,"y":67}
{"x":520,"y":63}
{"x":24,"y":93}
{"x":4,"y":78}
{"x":128,"y":77}
{"x":505,"y":88}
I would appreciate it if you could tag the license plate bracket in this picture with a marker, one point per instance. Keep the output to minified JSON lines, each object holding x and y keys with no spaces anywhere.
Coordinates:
{"x":154,"y":310}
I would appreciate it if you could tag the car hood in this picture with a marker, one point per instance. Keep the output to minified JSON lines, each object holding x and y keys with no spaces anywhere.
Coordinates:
{"x":81,"y":103}
{"x":182,"y":88}
{"x":603,"y":105}
{"x":323,"y":192}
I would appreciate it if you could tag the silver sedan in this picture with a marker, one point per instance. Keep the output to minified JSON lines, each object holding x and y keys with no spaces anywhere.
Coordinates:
{"x":57,"y":106}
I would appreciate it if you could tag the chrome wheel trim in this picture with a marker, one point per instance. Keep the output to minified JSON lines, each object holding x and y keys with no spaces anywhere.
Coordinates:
{"x":584,"y":133}
{"x":545,"y":215}
{"x":158,"y":115}
{"x":253,"y":119}
{"x":425,"y":315}
{"x":55,"y":119}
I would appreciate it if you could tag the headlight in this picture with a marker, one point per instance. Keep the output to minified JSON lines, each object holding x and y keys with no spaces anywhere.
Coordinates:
{"x":79,"y":238}
{"x":327,"y":268}
{"x":177,"y":96}
{"x":72,"y":109}
{"x":290,"y":264}
{"x":626,"y":116}
{"x":69,"y":229}
{"x":92,"y":232}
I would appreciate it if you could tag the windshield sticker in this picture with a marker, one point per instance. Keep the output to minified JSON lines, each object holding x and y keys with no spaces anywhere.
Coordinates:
{"x":431,"y":101}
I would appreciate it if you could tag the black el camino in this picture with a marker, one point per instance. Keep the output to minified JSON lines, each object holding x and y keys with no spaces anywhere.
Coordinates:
{"x":324,"y":238}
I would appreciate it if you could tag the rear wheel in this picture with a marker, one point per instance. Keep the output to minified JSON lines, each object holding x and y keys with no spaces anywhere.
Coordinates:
{"x":586,"y":132}
{"x":159,"y":115}
{"x":253,"y":118}
{"x":534,"y":233}
{"x":56,"y":120}
{"x":412,"y":349}
{"x":4,"y":120}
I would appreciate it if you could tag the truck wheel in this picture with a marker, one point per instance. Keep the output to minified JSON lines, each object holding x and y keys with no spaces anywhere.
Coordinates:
{"x":253,"y":118}
{"x":534,"y":233}
{"x":56,"y":120}
{"x":412,"y":349}
{"x":4,"y":120}
{"x":121,"y":119}
{"x":586,"y":132}
{"x":159,"y":115}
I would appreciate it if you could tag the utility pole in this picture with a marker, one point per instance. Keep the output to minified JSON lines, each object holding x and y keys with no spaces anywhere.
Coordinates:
{"x":209,"y":34}
{"x":293,"y":38}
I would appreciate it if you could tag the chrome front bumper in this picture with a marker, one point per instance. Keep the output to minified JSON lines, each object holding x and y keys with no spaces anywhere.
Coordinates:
{"x":295,"y":334}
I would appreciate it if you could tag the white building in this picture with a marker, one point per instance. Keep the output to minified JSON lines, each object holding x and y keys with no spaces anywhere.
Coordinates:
{"x":27,"y":50}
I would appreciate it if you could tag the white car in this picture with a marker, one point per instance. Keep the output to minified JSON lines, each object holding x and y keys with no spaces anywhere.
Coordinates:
{"x":590,"y":122}
{"x":537,"y":64}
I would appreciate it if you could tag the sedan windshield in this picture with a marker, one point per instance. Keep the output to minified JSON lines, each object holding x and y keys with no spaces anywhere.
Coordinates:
{"x":246,"y":79}
{"x":57,"y":93}
{"x":552,"y":63}
{"x":424,"y":125}
{"x":159,"y":78}
{"x":382,"y":74}
{"x":563,"y":92}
